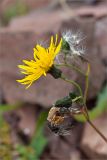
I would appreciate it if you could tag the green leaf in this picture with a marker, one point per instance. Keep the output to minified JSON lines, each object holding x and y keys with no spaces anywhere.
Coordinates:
{"x":7,"y":107}
{"x":39,"y":141}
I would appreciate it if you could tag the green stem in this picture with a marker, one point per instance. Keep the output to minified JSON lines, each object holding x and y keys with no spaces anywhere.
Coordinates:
{"x":100,"y":107}
{"x":77,"y":98}
{"x":72,"y":67}
{"x":86,"y":83}
{"x":86,"y":90}
{"x":74,"y":83}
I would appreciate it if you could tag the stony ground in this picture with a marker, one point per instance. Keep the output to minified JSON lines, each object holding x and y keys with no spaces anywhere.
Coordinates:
{"x":16,"y":43}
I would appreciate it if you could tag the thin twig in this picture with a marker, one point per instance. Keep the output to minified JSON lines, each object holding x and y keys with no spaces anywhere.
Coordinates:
{"x":72,"y":67}
{"x":74,"y":83}
{"x":94,"y":127}
{"x":97,"y":130}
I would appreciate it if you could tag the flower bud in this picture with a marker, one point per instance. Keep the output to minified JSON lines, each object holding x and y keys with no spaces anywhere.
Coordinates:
{"x":64,"y":102}
{"x":65,"y":46}
{"x":55,"y":72}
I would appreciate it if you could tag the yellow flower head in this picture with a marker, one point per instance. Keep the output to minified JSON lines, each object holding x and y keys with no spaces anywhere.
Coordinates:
{"x":42,"y":63}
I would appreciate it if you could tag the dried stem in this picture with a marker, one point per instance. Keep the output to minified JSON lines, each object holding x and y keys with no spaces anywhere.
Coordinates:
{"x":97,"y":130}
{"x":94,"y":127}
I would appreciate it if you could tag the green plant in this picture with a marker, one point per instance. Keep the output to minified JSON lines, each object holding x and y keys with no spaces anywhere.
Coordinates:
{"x":34,"y":150}
{"x":46,"y":60}
{"x":5,"y":140}
{"x":31,"y":152}
{"x":14,"y":10}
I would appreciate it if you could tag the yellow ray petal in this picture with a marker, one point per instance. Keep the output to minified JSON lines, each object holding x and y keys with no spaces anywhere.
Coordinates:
{"x":58,"y":48}
{"x":43,"y":61}
{"x":51,"y":44}
{"x":44,"y":73}
{"x":56,"y":40}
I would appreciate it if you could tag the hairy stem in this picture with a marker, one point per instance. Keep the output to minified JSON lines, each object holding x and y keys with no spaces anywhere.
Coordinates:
{"x":73,"y":83}
{"x":72,"y":67}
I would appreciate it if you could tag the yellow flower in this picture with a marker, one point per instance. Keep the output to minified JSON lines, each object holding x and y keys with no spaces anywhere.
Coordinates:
{"x":42,"y":63}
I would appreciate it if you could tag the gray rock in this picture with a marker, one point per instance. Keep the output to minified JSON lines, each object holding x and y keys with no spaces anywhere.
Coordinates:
{"x":101,"y":36}
{"x":16,"y":44}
